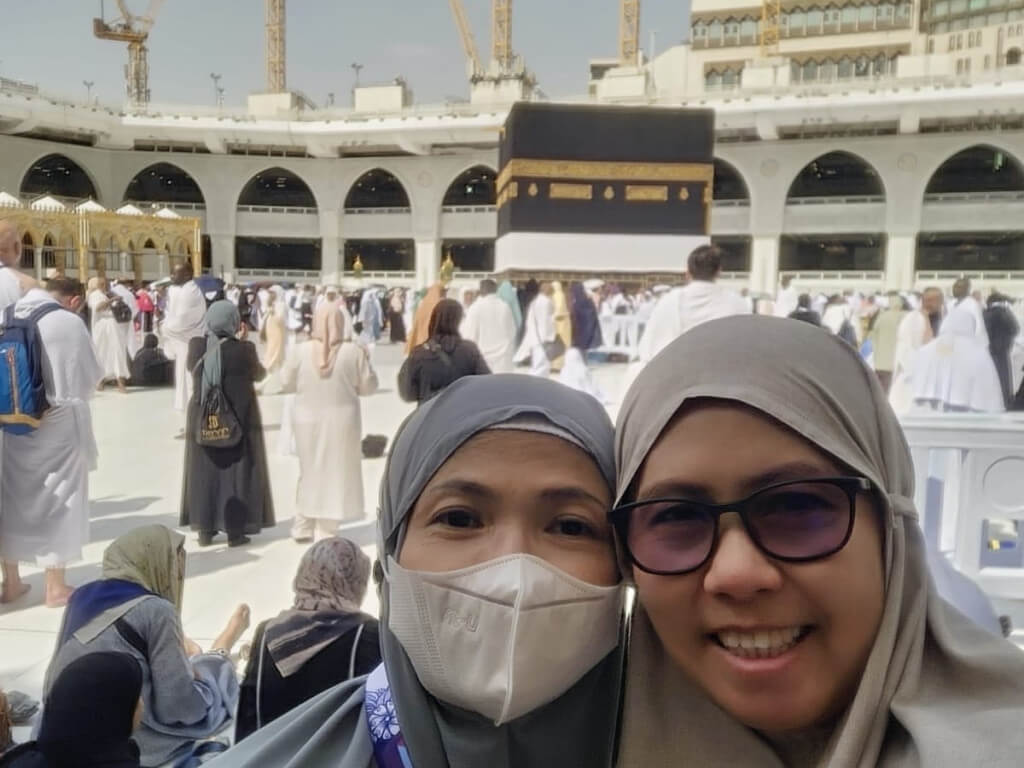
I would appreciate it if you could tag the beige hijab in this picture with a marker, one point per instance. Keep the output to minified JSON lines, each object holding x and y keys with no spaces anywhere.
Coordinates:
{"x":937,"y":690}
{"x":328,"y":335}
{"x":151,"y":556}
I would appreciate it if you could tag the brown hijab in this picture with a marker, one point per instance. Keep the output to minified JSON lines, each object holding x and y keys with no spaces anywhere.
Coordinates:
{"x":937,"y":690}
{"x":420,"y":331}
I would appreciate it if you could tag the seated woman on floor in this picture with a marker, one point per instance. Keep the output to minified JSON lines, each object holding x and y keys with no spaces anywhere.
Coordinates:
{"x":135,"y":608}
{"x":323,"y":640}
{"x":786,"y":615}
{"x":90,"y":714}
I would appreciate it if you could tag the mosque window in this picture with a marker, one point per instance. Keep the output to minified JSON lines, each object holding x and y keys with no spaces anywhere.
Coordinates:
{"x":862,"y":67}
{"x":831,"y":20}
{"x":797,"y":21}
{"x":958,"y":24}
{"x":931,"y":45}
{"x":815,"y":17}
{"x":827,"y":71}
{"x":715,"y":31}
{"x":880,"y":65}
{"x":957,"y":6}
{"x":700,"y":31}
{"x":732,"y":30}
{"x":903,"y":11}
{"x":713,"y":79}
{"x":810,"y":71}
{"x":845,"y":68}
{"x":730,"y":78}
{"x":940,"y":9}
{"x":976,"y":22}
{"x":885,"y":13}
{"x":866,"y":17}
{"x":850,"y":16}
{"x":977,"y":5}
{"x":748,"y":29}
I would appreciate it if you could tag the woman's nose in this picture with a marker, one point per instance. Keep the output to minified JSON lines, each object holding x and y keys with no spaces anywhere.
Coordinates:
{"x":738,"y":569}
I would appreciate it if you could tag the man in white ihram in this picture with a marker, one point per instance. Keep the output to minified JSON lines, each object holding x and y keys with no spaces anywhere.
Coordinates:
{"x":490,"y":324}
{"x":684,"y":308}
{"x":44,"y":493}
{"x":538,"y":329}
{"x":185,"y":320}
{"x":13,"y":284}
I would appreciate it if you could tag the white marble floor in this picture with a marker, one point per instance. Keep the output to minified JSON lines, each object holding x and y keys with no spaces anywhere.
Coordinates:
{"x":139,"y":482}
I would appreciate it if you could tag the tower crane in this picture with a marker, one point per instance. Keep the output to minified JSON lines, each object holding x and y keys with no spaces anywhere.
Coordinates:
{"x":629,"y":32}
{"x":276,"y":81}
{"x":771,"y":21}
{"x":468,"y":43}
{"x":501,"y":35}
{"x":134,"y":30}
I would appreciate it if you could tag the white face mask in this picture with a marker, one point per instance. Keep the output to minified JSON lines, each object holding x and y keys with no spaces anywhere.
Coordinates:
{"x":505,"y":637}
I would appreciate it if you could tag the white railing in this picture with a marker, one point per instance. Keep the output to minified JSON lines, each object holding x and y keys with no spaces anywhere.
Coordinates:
{"x":836,"y":200}
{"x":973,"y":197}
{"x":835,"y":276}
{"x":377,"y":211}
{"x":985,"y":276}
{"x":469,"y":208}
{"x":381,"y":275}
{"x":287,"y":275}
{"x":144,"y":204}
{"x":969,"y":492}
{"x":291,"y":209}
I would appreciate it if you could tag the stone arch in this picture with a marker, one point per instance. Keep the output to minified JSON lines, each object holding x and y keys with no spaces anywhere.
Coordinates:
{"x":28,"y":250}
{"x":277,"y":187}
{"x":837,"y":174}
{"x":377,"y":188}
{"x":977,"y":168}
{"x":729,"y":183}
{"x":58,"y":175}
{"x":164,"y":183}
{"x":474,"y":186}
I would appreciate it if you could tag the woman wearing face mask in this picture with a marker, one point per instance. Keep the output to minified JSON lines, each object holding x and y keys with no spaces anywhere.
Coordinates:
{"x":501,"y":605}
{"x":787,"y":617}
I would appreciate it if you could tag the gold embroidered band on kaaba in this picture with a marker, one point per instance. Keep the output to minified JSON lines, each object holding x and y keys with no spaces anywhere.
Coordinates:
{"x":647,"y":181}
{"x":595,"y":170}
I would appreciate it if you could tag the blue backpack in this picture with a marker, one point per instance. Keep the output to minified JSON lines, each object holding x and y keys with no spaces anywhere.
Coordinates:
{"x":22,"y":389}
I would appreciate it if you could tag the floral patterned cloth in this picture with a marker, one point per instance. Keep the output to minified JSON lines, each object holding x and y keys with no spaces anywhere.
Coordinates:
{"x":389,"y":748}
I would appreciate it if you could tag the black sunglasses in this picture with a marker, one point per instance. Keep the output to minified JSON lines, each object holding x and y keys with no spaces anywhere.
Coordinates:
{"x":797,"y":521}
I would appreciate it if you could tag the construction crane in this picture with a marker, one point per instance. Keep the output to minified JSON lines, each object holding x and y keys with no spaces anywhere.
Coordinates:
{"x":501,"y":35}
{"x":468,"y":43}
{"x":276,"y":82}
{"x":134,"y":30}
{"x":771,"y":21}
{"x":629,"y":32}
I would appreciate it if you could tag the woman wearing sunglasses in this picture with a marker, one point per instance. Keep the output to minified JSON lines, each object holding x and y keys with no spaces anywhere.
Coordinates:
{"x":786,"y":615}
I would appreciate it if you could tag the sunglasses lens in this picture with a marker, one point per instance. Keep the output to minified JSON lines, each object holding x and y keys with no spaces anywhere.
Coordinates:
{"x":801,"y":521}
{"x":670,"y":537}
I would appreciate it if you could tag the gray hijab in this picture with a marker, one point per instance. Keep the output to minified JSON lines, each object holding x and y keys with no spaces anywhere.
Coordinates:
{"x":222,"y":322}
{"x":937,"y":690}
{"x":577,"y":730}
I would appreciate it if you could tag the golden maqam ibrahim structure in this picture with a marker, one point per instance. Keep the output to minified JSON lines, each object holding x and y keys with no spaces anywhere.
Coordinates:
{"x":90,"y":240}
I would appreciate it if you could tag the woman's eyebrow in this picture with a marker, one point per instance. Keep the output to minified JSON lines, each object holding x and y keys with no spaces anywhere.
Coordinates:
{"x":457,"y":485}
{"x":684,"y":489}
{"x":571,"y":493}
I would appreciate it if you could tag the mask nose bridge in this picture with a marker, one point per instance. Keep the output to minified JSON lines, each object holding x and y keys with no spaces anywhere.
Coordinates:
{"x":511,"y":644}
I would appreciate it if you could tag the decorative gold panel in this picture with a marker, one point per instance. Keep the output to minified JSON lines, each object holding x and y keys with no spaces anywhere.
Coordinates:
{"x":559,"y":191}
{"x":646,"y":193}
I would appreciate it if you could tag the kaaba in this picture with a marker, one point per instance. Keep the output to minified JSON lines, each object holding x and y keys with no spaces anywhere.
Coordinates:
{"x":595,"y":189}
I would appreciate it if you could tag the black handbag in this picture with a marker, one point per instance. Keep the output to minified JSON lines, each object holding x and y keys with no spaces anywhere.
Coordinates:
{"x":552,"y":349}
{"x":218,"y":425}
{"x":121,"y":311}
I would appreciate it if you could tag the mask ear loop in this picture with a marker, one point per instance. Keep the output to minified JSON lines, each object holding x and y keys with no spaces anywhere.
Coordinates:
{"x":511,"y":647}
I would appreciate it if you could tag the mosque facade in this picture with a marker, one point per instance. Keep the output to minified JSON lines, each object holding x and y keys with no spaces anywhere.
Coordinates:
{"x":881,"y":147}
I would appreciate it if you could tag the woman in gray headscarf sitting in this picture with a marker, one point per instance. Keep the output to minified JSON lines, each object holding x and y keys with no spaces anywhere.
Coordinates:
{"x":501,"y":602}
{"x":323,"y":640}
{"x":786,"y":614}
{"x":226,"y":488}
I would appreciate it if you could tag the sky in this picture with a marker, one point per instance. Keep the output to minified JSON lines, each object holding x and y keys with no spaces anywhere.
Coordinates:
{"x":50,"y":43}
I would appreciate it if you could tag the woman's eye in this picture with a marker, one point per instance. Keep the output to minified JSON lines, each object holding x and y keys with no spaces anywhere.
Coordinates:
{"x":572,"y":526}
{"x":457,"y":518}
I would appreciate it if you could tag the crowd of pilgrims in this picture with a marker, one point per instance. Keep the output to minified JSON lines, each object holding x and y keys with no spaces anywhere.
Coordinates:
{"x":755,"y":495}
